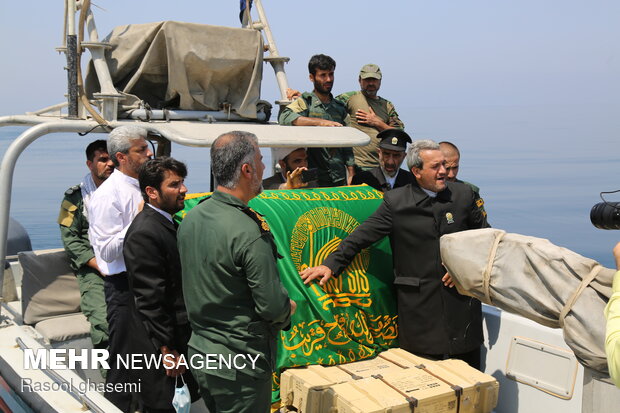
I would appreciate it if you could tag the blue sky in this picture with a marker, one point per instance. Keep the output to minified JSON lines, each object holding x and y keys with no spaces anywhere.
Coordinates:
{"x":432,"y":53}
{"x":528,"y":89}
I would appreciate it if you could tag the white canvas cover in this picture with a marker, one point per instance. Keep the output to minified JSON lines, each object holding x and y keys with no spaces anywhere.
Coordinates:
{"x":532,"y":277}
{"x":184,"y":66}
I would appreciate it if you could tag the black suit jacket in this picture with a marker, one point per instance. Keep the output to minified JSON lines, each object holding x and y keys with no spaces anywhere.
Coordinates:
{"x":375,"y":178}
{"x":159,"y":314}
{"x":433,"y":319}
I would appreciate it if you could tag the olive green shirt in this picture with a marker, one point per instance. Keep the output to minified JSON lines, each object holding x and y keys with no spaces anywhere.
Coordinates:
{"x":236,"y":303}
{"x":367,"y":156}
{"x":477,"y":197}
{"x":331,"y":162}
{"x":74,"y":230}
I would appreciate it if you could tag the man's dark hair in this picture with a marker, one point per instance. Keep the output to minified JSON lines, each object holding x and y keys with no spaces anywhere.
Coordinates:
{"x":98,"y":145}
{"x":321,"y":61}
{"x":228,"y":154}
{"x":152,"y":173}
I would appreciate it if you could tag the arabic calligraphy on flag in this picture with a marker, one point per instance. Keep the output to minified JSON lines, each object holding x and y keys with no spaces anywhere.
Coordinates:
{"x":352,"y":317}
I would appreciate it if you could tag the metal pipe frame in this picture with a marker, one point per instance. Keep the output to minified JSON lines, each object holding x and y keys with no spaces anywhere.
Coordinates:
{"x":98,"y":56}
{"x":278,"y":66}
{"x":7,"y":167}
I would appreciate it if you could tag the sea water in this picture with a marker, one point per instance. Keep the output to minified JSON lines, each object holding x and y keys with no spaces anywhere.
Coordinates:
{"x":539,"y":168}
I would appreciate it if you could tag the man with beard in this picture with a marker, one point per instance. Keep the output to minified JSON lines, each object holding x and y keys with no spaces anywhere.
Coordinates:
{"x":235,"y":300}
{"x":292,"y":164}
{"x":73,"y":221}
{"x":154,"y":273}
{"x":388,"y":175}
{"x":112,"y":208}
{"x":369,"y":113}
{"x":434,"y":320}
{"x":319,"y":108}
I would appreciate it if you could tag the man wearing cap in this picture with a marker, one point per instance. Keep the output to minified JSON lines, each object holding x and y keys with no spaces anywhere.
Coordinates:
{"x":369,"y":113}
{"x":336,"y":166}
{"x":434,"y":320}
{"x":388,"y":175}
{"x":292,"y":163}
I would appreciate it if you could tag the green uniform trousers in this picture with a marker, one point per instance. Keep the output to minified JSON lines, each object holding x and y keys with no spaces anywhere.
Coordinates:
{"x":243,"y":395}
{"x":92,"y":303}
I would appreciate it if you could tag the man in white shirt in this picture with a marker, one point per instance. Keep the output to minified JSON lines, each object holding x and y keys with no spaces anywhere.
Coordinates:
{"x":111,"y":209}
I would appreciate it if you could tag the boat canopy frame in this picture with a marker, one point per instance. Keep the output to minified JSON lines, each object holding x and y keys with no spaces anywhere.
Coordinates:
{"x":195,"y":128}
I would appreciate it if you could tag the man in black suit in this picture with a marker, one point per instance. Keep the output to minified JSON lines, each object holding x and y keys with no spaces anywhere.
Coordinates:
{"x":435,"y":321}
{"x":160,"y":324}
{"x":388,"y":175}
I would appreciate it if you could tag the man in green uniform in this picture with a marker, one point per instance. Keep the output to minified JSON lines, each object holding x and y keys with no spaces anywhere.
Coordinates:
{"x":319,"y":108}
{"x":453,"y":159}
{"x":73,"y":223}
{"x":235,"y":301}
{"x":369,"y":113}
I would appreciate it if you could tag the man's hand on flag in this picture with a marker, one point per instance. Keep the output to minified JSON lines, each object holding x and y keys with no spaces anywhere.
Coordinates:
{"x":320,"y":271}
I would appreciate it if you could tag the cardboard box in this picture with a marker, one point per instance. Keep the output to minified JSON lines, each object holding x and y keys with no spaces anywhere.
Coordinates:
{"x":365,"y":396}
{"x":479,"y":390}
{"x":303,"y":388}
{"x":403,"y":358}
{"x":370,"y":367}
{"x":394,"y":381}
{"x":430,"y":394}
{"x":410,"y":390}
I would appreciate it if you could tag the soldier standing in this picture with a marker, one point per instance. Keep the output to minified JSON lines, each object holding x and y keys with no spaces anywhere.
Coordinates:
{"x":369,"y":113}
{"x":319,"y":108}
{"x":236,"y":303}
{"x":73,"y":221}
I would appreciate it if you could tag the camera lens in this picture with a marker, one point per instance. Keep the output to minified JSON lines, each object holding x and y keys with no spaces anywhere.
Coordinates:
{"x":606,"y":215}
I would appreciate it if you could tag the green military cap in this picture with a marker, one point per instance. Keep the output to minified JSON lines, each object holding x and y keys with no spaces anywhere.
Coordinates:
{"x":370,"y":70}
{"x":394,"y":139}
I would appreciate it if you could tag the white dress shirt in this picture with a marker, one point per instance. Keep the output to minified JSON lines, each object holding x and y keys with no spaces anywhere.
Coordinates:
{"x":161,"y":211}
{"x":390,"y":179}
{"x":110,"y":211}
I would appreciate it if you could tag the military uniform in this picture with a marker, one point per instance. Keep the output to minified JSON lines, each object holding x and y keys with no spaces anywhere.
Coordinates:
{"x":74,"y":234}
{"x":236,"y":303}
{"x":366,"y":156}
{"x":331,"y":162}
{"x":477,"y":197}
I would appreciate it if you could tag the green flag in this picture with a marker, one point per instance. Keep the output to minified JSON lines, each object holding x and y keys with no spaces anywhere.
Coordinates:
{"x":352,"y":317}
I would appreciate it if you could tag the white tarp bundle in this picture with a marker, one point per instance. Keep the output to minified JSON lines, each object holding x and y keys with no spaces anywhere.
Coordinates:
{"x":184,"y":66}
{"x":536,"y":279}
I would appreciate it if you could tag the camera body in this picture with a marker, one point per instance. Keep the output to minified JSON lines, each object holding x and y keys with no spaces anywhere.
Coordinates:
{"x":606,"y":215}
{"x":309,"y":175}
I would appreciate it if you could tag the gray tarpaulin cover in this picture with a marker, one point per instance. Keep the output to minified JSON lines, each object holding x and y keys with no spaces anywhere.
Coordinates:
{"x":532,"y":277}
{"x":184,"y":66}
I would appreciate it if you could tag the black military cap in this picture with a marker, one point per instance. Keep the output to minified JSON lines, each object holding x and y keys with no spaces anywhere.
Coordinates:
{"x":394,"y":139}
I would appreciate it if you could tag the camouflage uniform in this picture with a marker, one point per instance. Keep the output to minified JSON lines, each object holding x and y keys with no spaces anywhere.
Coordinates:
{"x":366,"y":157}
{"x":74,"y":235}
{"x":331,"y":162}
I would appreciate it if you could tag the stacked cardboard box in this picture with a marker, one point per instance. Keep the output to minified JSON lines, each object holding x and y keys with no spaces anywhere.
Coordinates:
{"x":478,"y":391}
{"x":396,"y":381}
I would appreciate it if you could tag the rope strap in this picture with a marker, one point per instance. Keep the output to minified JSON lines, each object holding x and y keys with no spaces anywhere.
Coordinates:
{"x":584,"y":283}
{"x":486,"y":276}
